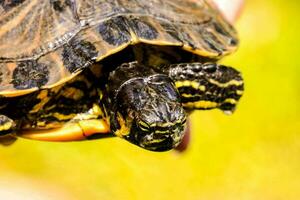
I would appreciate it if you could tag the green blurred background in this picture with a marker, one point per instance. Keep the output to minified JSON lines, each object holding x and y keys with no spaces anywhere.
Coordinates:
{"x":253,"y":154}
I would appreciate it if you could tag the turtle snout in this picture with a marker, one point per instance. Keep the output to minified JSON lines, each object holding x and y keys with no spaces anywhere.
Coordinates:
{"x":162,"y":128}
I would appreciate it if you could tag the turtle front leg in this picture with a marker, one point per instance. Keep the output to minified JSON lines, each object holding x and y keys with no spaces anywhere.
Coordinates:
{"x":207,"y":86}
{"x":7,"y":130}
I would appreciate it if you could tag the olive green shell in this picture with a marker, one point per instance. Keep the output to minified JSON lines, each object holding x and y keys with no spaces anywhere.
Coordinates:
{"x":44,"y":43}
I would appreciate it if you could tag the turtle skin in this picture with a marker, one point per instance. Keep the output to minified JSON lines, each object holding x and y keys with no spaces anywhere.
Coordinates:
{"x":67,"y":68}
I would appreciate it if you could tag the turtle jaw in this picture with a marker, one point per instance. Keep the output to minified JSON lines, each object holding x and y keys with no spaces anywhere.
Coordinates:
{"x":158,"y":137}
{"x":151,"y":130}
{"x":163,"y":142}
{"x":156,"y":130}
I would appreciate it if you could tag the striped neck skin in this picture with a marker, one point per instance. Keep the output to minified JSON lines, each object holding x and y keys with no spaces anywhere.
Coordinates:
{"x":207,"y":86}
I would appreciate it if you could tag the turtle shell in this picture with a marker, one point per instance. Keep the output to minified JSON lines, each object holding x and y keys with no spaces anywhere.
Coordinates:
{"x":44,"y":43}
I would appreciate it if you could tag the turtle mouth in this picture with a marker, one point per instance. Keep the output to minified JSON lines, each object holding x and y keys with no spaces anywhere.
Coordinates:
{"x":160,"y":143}
{"x":160,"y":140}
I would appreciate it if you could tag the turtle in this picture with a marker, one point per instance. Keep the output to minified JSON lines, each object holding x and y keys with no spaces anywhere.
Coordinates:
{"x":73,"y":70}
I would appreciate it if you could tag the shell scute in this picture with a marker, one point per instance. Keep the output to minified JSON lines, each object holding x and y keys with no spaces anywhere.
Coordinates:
{"x":30,"y":74}
{"x":115,"y":31}
{"x":53,"y":40}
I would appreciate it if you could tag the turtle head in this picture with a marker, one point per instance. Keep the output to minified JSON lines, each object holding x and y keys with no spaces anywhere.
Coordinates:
{"x":147,"y":112}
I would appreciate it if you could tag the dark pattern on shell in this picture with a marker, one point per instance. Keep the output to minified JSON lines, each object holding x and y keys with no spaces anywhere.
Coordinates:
{"x":60,"y":5}
{"x":178,"y":34}
{"x":143,"y":29}
{"x":9,"y":4}
{"x":222,"y":31}
{"x":171,"y":30}
{"x":212,"y":42}
{"x":3,"y":72}
{"x":115,"y":31}
{"x":78,"y":55}
{"x":30,"y":74}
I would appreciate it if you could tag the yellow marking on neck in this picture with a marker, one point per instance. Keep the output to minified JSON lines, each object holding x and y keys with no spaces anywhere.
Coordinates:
{"x":180,"y":84}
{"x":97,"y":110}
{"x":61,"y":117}
{"x":41,"y":124}
{"x":207,"y":104}
{"x":56,"y":89}
{"x":224,"y":85}
{"x":187,"y":95}
{"x":43,"y":96}
{"x":124,"y":129}
{"x":73,"y":93}
{"x":230,"y":100}
{"x":187,"y":83}
{"x":201,"y":104}
{"x":194,"y":84}
{"x":100,"y":93}
{"x":240,"y":92}
{"x":202,"y":88}
{"x":6,"y":126}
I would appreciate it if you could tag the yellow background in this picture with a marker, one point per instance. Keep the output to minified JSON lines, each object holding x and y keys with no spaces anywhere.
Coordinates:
{"x":253,"y":154}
